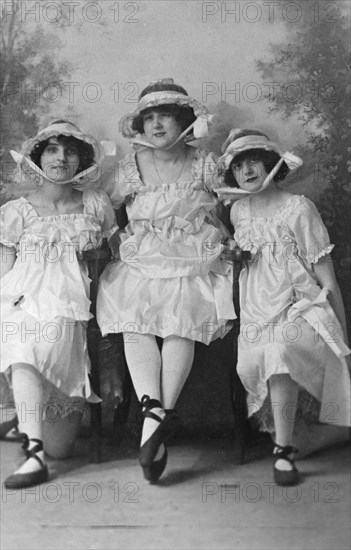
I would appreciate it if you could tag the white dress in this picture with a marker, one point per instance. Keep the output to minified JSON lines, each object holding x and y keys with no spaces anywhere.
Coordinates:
{"x":287,"y":323}
{"x":171,"y":278}
{"x":45,"y":296}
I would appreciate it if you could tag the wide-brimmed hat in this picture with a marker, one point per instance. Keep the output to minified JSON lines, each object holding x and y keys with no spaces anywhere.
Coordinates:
{"x":236,"y":143}
{"x":239,"y":141}
{"x":168,"y":93}
{"x":82,"y":180}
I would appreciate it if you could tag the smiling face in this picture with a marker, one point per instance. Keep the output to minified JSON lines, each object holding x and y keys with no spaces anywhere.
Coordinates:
{"x":249,"y":173}
{"x":59,"y":160}
{"x":161,"y":128}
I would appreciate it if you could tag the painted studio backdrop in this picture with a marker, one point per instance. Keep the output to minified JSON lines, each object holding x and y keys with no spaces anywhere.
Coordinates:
{"x":280,"y":66}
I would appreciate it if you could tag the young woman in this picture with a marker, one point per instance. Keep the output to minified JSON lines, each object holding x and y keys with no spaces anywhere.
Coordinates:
{"x":45,"y":292}
{"x":291,"y":348}
{"x":169,"y":279}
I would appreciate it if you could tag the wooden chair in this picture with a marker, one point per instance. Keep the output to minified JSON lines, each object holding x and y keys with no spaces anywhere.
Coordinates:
{"x":238,"y":392}
{"x":108,"y":352}
{"x":104,"y":352}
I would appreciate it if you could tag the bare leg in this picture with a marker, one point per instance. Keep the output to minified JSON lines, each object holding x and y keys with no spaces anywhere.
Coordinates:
{"x":284,"y":394}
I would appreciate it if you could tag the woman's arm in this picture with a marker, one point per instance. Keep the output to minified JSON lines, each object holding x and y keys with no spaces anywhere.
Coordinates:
{"x":325,"y":274}
{"x":8,"y":258}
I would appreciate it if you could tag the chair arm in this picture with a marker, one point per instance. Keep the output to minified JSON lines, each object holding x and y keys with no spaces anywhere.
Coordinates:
{"x":94,"y":254}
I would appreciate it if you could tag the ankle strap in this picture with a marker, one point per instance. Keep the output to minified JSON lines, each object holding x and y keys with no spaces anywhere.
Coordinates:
{"x":31,"y":453}
{"x":284,"y":451}
{"x":148,"y":403}
{"x":25,"y":441}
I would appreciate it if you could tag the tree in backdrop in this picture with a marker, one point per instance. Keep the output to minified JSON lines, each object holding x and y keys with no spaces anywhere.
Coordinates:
{"x":31,"y":77}
{"x":309,"y":77}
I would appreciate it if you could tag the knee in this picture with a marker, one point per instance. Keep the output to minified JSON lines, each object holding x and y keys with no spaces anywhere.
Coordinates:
{"x":60,"y":437}
{"x":6,"y":426}
{"x":58,"y":443}
{"x":59,"y":448}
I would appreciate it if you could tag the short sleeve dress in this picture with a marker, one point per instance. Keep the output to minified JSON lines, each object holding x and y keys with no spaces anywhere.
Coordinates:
{"x":170,"y":278}
{"x":287,"y":323}
{"x":45,"y":296}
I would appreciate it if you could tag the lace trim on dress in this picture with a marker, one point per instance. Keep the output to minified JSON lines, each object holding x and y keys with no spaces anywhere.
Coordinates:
{"x":308,"y":407}
{"x":321,"y":253}
{"x":85,"y":229}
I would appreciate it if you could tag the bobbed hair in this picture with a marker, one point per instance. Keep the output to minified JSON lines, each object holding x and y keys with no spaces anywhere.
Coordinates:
{"x":184,"y":116}
{"x":268,"y":158}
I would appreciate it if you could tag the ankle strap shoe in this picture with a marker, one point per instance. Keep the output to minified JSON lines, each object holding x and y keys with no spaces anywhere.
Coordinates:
{"x":20,"y":481}
{"x":284,"y":477}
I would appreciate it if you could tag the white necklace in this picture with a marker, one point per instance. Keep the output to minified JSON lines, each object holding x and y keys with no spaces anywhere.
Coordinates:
{"x":180,"y":173}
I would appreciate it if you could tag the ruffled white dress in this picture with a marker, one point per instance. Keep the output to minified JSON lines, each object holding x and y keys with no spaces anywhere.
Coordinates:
{"x":45,"y":297}
{"x":287,"y":323}
{"x":170,"y":278}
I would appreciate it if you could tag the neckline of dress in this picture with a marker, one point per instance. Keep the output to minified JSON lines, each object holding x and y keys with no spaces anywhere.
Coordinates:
{"x":61,"y":216}
{"x":180,"y":173}
{"x":276,"y":213}
{"x":196,"y":157}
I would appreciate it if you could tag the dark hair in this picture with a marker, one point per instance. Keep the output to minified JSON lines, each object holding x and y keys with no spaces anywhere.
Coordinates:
{"x":268,"y":158}
{"x":85,"y":151}
{"x":184,"y":116}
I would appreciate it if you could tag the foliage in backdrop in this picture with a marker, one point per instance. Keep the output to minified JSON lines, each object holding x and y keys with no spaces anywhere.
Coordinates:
{"x":28,"y":63}
{"x":313,"y":64}
{"x":309,"y":76}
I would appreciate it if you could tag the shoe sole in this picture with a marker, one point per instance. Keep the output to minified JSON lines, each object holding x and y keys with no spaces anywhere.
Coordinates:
{"x":21,"y":481}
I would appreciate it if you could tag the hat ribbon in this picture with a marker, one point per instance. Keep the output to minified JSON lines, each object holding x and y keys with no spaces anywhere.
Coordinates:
{"x":199,"y":127}
{"x":19,"y":158}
